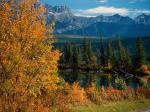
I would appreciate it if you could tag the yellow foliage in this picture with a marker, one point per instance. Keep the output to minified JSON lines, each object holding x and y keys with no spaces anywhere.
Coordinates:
{"x":25,"y":58}
{"x":92,"y":92}
{"x":145,"y":69}
{"x":109,"y":66}
{"x":92,"y":89}
{"x":77,"y":94}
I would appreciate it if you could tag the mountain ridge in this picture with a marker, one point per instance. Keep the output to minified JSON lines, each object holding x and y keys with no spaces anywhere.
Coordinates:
{"x":68,"y":23}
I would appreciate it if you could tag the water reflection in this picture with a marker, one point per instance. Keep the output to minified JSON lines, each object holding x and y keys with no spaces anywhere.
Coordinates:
{"x":100,"y":79}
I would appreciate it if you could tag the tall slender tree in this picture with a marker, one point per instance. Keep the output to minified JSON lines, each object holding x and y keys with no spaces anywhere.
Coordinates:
{"x":68,"y":53}
{"x":86,"y":50}
{"x":121,"y":51}
{"x":110,"y":54}
{"x":76,"y":57}
{"x":124,"y":59}
{"x":102,"y":51}
{"x":140,"y":53}
{"x":128,"y":61}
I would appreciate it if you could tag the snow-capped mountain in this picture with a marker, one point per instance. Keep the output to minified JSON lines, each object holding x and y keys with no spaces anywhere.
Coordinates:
{"x":143,"y":19}
{"x":68,"y":23}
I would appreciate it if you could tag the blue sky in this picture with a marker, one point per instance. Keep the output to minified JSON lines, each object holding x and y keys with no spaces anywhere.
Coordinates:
{"x":130,"y":8}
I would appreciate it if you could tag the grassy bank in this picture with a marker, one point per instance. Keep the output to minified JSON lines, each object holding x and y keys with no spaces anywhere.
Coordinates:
{"x":124,"y":106}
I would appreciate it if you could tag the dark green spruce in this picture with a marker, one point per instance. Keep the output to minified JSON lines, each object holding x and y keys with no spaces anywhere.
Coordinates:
{"x":141,"y":58}
{"x":102,"y":51}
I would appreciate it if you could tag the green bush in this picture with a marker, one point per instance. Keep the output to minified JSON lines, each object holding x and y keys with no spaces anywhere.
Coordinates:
{"x":120,"y":84}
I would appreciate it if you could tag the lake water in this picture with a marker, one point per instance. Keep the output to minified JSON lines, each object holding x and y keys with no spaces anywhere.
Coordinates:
{"x":100,"y":79}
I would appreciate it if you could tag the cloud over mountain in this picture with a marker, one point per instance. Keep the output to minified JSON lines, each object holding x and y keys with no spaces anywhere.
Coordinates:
{"x":104,"y":10}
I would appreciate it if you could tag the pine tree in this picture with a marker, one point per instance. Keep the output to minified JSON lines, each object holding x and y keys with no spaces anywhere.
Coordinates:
{"x":140,"y":53}
{"x":128,"y":61}
{"x":121,"y":51}
{"x":90,"y":52}
{"x":123,"y":60}
{"x":76,"y":57}
{"x":68,"y":53}
{"x":102,"y":51}
{"x":110,"y":54}
{"x":88,"y":55}
{"x":84,"y":55}
{"x":62,"y":58}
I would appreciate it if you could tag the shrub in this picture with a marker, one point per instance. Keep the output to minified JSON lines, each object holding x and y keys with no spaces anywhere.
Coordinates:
{"x":77,"y":94}
{"x":120,"y":84}
{"x":62,"y":101}
{"x":143,"y":82}
{"x":92,"y":92}
{"x":144,"y":91}
{"x":116,"y":95}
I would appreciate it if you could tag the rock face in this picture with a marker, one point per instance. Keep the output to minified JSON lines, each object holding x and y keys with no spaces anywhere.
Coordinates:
{"x":143,"y":19}
{"x":67,"y":23}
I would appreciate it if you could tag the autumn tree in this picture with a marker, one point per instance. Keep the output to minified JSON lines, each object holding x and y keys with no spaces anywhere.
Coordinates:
{"x":27,"y":64}
{"x":77,"y":94}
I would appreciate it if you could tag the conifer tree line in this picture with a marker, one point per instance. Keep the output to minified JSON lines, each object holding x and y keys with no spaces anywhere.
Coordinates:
{"x":110,"y":54}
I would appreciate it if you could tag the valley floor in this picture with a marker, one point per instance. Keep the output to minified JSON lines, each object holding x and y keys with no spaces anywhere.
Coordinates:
{"x":123,"y":106}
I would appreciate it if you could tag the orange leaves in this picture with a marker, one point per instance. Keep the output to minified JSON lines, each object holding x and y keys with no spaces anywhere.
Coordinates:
{"x":145,"y":69}
{"x":37,"y":31}
{"x":105,"y":94}
{"x":28,"y":65}
{"x":5,"y":7}
{"x":77,"y":94}
{"x":144,"y":91}
{"x":92,"y":89}
{"x":109,"y":65}
{"x":115,"y":94}
{"x":42,"y":9}
{"x":50,"y":82}
{"x":94,"y":94}
{"x":26,"y":58}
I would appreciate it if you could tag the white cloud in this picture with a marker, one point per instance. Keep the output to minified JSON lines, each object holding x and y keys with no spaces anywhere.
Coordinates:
{"x":140,"y":11}
{"x":135,"y":12}
{"x":102,"y":1}
{"x":84,"y":15}
{"x":135,"y":1}
{"x":104,"y":10}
